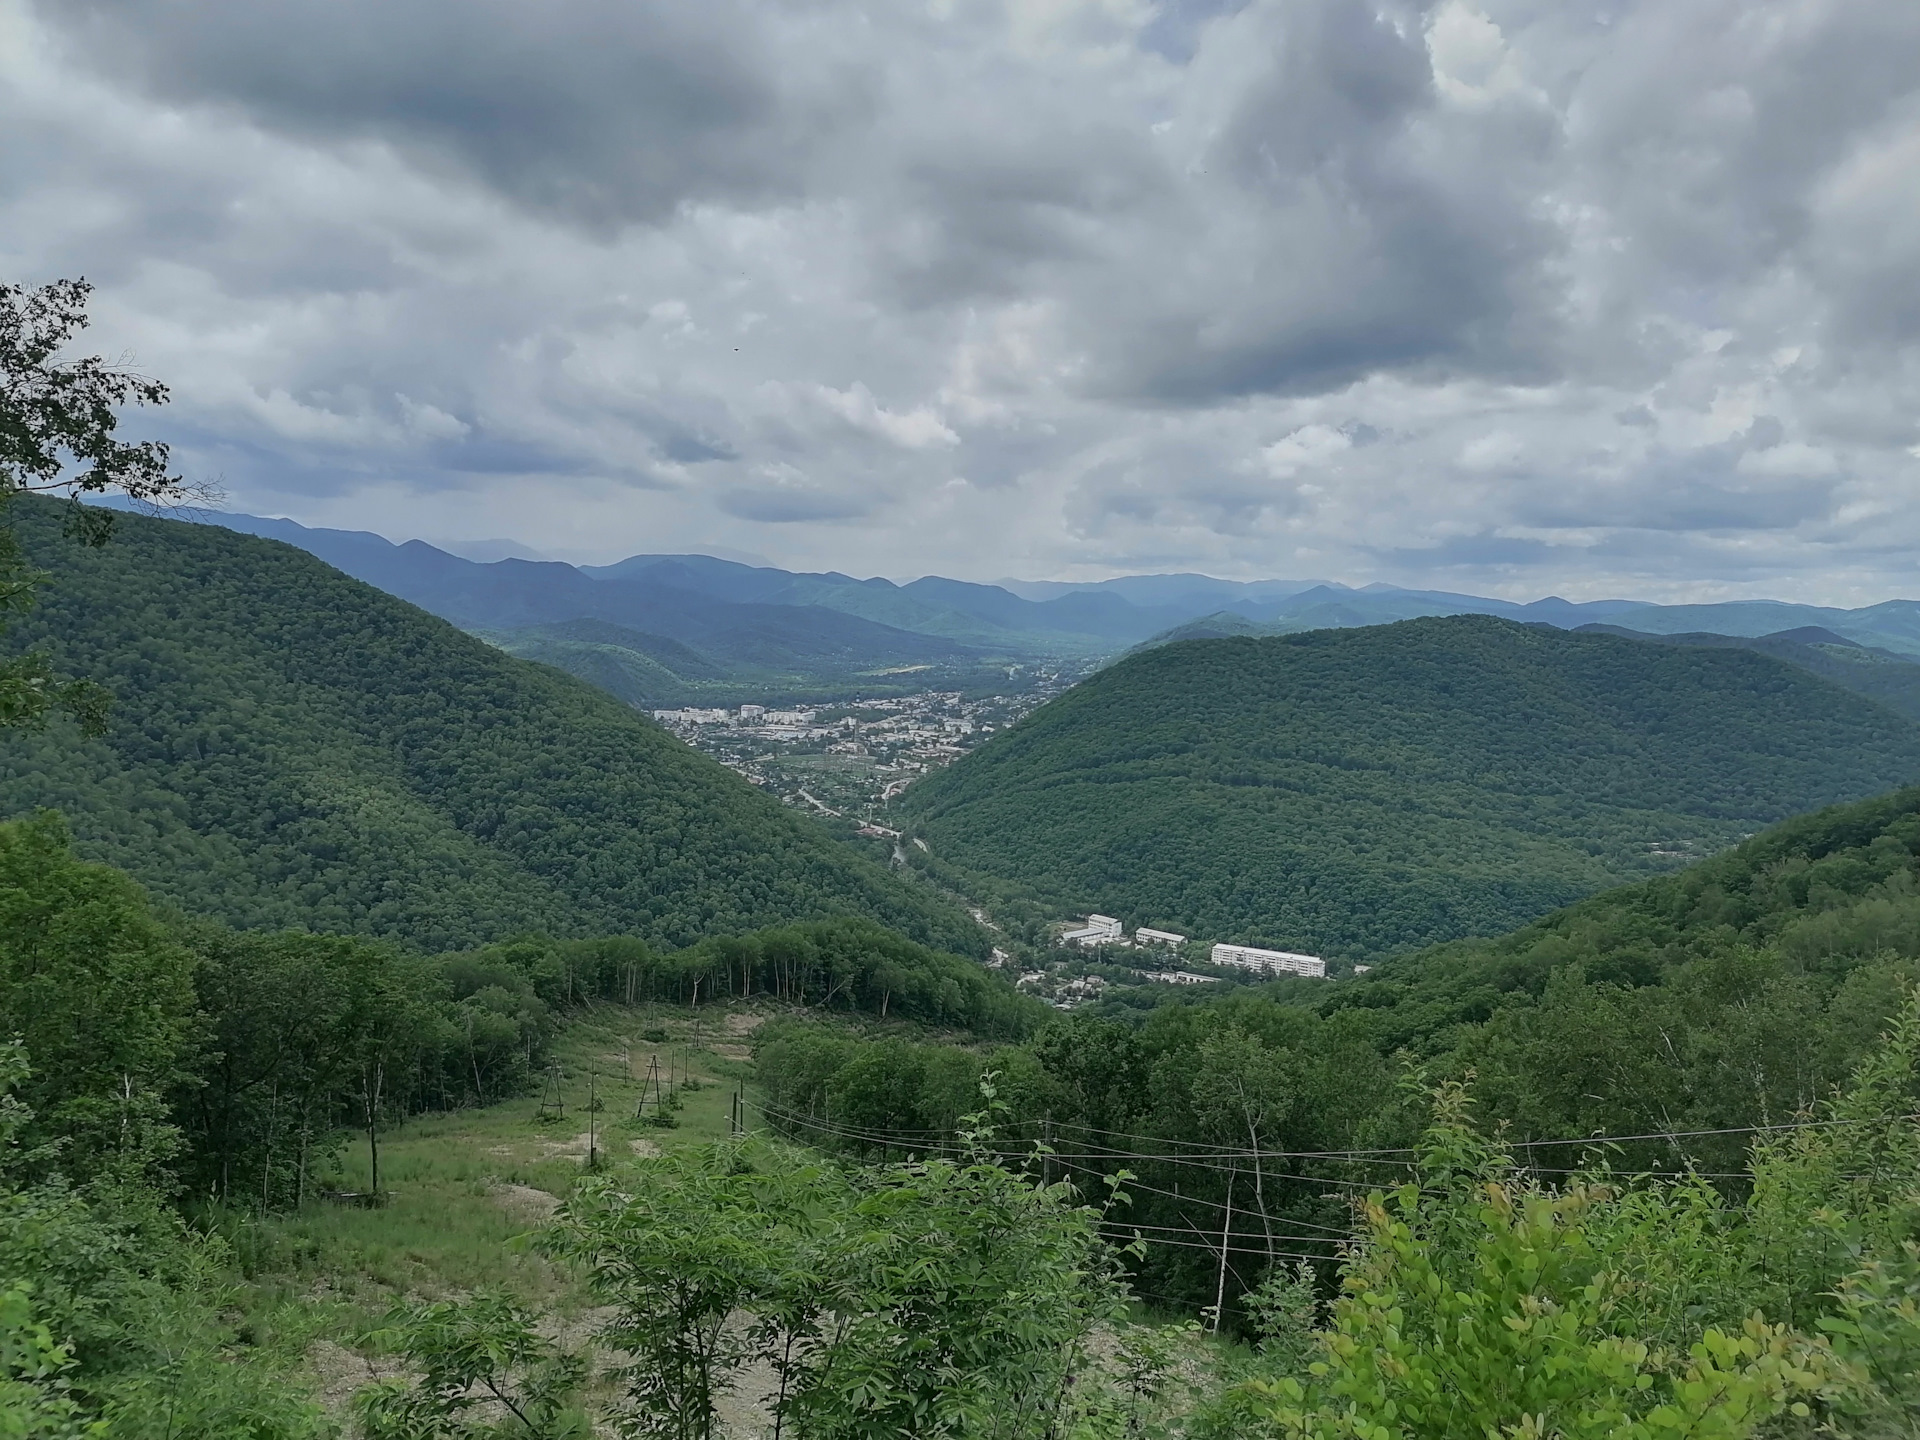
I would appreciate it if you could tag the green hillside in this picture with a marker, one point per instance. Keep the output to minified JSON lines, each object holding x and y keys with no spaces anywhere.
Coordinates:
{"x":291,"y":747}
{"x":1361,"y":791}
{"x":1822,"y":900}
{"x":1883,"y":675}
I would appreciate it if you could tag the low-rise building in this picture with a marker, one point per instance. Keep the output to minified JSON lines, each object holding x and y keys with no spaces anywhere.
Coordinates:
{"x":1180,"y":977}
{"x":1144,"y":936}
{"x":1100,"y":930}
{"x":1270,"y":962}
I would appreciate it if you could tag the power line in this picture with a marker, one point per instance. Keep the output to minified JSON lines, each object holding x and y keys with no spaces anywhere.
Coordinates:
{"x":1212,"y":1153}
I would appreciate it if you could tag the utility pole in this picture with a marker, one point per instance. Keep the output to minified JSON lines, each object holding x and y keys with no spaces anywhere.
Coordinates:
{"x":593,"y":1116}
{"x":653,"y":1081}
{"x":1226,"y":1237}
{"x":552,"y":1096}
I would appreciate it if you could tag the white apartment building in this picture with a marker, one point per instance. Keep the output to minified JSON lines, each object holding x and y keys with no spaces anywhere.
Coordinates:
{"x":1270,"y":962}
{"x":751,"y":712}
{"x":1100,"y":930}
{"x":1144,"y":936}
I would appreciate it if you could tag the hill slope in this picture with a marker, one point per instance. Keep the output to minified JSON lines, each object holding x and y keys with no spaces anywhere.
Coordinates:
{"x":1360,"y":791}
{"x":292,"y":747}
{"x":1826,"y":893}
{"x":1892,"y":679}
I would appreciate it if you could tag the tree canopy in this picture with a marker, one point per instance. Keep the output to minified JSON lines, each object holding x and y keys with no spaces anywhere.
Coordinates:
{"x":290,"y":747}
{"x":1358,"y":792}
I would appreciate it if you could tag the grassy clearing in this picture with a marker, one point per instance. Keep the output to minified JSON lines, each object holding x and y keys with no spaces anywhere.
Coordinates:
{"x":464,"y":1192}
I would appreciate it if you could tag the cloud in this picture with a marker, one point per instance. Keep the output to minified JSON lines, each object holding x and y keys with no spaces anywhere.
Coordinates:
{"x":1307,"y":448}
{"x":916,"y":429}
{"x":1483,"y":293}
{"x":599,"y":112}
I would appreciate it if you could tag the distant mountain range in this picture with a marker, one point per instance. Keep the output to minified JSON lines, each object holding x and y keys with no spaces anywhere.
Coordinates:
{"x":1892,"y":624}
{"x":681,"y":629}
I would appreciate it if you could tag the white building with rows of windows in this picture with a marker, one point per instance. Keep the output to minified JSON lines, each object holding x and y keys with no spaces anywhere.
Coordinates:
{"x":1270,"y":962}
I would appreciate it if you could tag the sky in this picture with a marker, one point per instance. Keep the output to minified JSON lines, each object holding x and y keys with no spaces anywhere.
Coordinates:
{"x":1603,"y":297}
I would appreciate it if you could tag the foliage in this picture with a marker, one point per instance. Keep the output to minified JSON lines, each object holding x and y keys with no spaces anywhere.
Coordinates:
{"x":112,"y":1314}
{"x":35,"y":1403}
{"x":959,"y":1299}
{"x":1484,"y":1304}
{"x":693,"y":1238}
{"x":1357,"y":792}
{"x":57,"y":417}
{"x":939,"y":1297}
{"x":102,"y":996}
{"x":292,"y":748}
{"x":1735,"y":994}
{"x":484,"y":1370}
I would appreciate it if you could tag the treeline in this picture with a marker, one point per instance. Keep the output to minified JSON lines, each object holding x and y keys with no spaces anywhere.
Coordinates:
{"x":153,"y":1066}
{"x":239,"y":1059}
{"x":1692,"y":1010}
{"x":969,"y":1294}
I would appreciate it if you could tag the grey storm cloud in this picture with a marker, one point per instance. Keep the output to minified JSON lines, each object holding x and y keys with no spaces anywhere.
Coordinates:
{"x":602,"y":111}
{"x":1499,"y":293}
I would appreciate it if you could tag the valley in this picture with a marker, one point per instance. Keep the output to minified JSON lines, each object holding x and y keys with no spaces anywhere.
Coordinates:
{"x":437,"y":1032}
{"x":854,"y":757}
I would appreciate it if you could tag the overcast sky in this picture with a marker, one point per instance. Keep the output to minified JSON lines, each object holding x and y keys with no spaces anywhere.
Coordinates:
{"x":1597,"y":297}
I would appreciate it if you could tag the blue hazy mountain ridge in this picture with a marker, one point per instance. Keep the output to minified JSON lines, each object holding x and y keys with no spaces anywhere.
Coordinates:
{"x":817,"y":622}
{"x":1892,"y":625}
{"x":515,"y":595}
{"x":979,"y":614}
{"x":1184,"y":591}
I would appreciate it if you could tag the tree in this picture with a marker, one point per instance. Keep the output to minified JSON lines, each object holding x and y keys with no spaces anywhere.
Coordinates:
{"x":676,"y":1255}
{"x":102,"y":996}
{"x":57,"y":425}
{"x":474,"y":1358}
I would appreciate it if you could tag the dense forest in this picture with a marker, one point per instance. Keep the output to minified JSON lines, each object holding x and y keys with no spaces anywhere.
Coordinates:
{"x":1358,"y":792}
{"x":1881,"y":674}
{"x":1685,"y":1010}
{"x":1367,"y":1180}
{"x":291,"y":747}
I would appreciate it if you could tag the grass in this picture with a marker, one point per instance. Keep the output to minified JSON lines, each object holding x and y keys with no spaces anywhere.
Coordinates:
{"x":463,"y":1193}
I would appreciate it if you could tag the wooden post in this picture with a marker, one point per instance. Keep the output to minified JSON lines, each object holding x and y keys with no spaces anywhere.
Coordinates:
{"x":593,"y":1107}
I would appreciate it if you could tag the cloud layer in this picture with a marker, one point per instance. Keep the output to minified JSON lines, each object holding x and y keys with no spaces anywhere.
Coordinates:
{"x":1516,"y":297}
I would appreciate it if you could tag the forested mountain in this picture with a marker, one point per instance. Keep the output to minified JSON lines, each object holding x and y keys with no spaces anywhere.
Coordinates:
{"x":1362,"y":791}
{"x":1892,"y":679}
{"x":291,"y":747}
